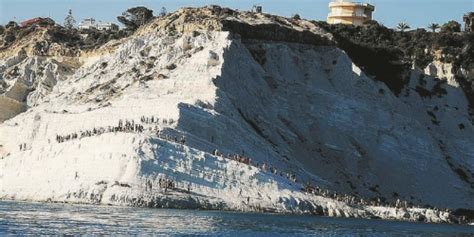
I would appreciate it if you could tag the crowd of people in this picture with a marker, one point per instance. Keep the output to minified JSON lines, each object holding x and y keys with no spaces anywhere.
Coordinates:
{"x":237,"y":157}
{"x":355,"y":200}
{"x":241,"y":158}
{"x":167,"y":184}
{"x":123,"y":126}
{"x":164,"y":183}
{"x":128,"y":126}
{"x":171,"y":138}
{"x":348,"y":199}
{"x":156,"y":120}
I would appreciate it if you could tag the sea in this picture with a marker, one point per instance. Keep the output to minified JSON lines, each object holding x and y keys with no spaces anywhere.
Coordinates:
{"x":24,"y":218}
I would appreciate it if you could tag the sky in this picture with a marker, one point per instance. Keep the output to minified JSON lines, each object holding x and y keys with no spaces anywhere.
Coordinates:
{"x":417,"y":13}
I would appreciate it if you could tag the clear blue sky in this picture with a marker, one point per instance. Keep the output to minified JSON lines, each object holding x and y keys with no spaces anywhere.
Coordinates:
{"x":418,"y":13}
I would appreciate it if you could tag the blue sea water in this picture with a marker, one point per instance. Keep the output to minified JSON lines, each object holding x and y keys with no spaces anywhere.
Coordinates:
{"x":21,"y":218}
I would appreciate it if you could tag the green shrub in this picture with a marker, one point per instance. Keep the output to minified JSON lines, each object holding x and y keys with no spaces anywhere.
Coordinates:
{"x":451,"y":27}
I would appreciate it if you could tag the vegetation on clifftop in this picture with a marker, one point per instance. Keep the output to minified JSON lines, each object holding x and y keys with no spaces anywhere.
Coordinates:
{"x":73,"y":38}
{"x":387,"y":54}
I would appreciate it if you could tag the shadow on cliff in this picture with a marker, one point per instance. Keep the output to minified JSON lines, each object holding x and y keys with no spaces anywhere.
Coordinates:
{"x":240,"y":126}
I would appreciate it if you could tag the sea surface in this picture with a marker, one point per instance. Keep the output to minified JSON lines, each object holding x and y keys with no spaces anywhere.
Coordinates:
{"x":22,"y":218}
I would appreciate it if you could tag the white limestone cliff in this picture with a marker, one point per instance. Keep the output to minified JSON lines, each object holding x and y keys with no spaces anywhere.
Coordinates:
{"x":303,"y":108}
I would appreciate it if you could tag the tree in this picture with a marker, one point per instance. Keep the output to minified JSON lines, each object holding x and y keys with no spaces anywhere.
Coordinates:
{"x":11,"y":24}
{"x":296,"y":16}
{"x":69,"y":21}
{"x":451,"y":27}
{"x":45,"y":22}
{"x":135,"y":17}
{"x":433,"y":27}
{"x":402,"y":26}
{"x":163,"y":12}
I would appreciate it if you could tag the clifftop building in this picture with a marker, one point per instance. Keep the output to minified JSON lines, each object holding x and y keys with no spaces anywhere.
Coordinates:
{"x":38,"y":22}
{"x":257,"y":9}
{"x":91,"y":23}
{"x":469,"y":22}
{"x":347,"y":12}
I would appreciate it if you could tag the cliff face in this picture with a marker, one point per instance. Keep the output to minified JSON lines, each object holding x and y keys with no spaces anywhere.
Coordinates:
{"x":353,"y":130}
{"x":275,"y":90}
